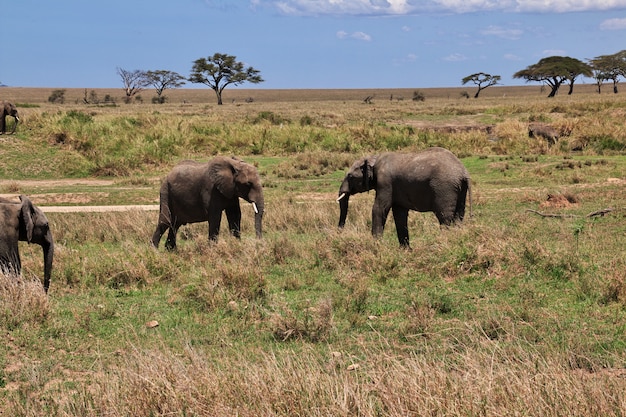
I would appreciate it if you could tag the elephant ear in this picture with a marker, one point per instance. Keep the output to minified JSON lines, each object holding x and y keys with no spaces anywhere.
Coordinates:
{"x":224,"y":176}
{"x":368,"y":171}
{"x":27,"y":217}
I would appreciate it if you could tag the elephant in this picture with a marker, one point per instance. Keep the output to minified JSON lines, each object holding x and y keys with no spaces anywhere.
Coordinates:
{"x":8,"y":109}
{"x":196,"y":192}
{"x":431,"y":180}
{"x":23,"y":221}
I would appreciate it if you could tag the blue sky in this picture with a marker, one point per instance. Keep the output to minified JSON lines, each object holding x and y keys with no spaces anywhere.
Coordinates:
{"x":301,"y":43}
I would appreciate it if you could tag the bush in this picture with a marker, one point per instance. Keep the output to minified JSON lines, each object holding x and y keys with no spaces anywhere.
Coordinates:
{"x":418,"y":96}
{"x":57,"y":97}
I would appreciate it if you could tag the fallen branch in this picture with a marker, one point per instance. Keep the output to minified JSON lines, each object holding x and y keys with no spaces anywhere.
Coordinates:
{"x":559,"y":216}
{"x":600,"y":213}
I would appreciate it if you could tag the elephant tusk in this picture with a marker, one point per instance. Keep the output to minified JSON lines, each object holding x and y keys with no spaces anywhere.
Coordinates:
{"x":256,"y":210}
{"x":341,"y":196}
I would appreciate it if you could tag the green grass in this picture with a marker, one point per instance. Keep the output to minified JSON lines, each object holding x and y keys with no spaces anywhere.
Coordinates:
{"x":510,"y":311}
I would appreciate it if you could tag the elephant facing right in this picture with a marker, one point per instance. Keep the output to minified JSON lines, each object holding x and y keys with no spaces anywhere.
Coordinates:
{"x":431,"y":180}
{"x":8,"y":109}
{"x":197,"y":192}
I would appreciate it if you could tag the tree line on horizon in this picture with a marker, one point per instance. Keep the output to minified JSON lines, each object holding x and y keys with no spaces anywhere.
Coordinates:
{"x":221,"y":70}
{"x":217,"y":72}
{"x":557,"y":70}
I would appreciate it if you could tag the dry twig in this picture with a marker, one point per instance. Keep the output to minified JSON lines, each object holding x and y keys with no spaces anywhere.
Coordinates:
{"x":600,"y":213}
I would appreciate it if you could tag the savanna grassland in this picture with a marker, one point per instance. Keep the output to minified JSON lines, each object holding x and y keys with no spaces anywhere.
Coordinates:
{"x":521,"y":310}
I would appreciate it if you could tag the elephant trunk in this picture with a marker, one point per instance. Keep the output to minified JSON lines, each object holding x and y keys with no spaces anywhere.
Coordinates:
{"x":343,"y":208}
{"x":259,"y":207}
{"x":17,"y":120}
{"x":344,"y":197}
{"x":48,"y":255}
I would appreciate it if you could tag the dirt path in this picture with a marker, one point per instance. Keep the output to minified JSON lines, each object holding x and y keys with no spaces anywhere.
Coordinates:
{"x":77,"y":197}
{"x":98,"y":209}
{"x":60,"y":182}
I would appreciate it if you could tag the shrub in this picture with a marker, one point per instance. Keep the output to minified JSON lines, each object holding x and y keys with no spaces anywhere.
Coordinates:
{"x":418,"y":96}
{"x":270,"y":117}
{"x":57,"y":97}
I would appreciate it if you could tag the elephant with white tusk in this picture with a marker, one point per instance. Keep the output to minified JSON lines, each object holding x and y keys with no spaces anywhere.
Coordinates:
{"x":196,"y":192}
{"x":8,"y":109}
{"x":432,"y":180}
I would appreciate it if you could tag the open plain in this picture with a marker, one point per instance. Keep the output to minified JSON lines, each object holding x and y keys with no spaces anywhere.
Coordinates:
{"x":520,"y":310}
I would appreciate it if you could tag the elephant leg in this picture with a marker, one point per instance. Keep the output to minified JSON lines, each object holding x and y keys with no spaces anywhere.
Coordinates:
{"x":401,"y":218}
{"x":459,"y":212}
{"x":233,"y":214}
{"x":11,"y":263}
{"x":215,"y":220}
{"x":380,"y":211}
{"x":445,"y":218}
{"x":445,"y":208}
{"x":170,"y":242}
{"x":156,"y":237}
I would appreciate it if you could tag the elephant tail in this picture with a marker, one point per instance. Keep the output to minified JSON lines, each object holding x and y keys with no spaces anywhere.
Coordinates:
{"x":465,"y":192}
{"x":469,"y":192}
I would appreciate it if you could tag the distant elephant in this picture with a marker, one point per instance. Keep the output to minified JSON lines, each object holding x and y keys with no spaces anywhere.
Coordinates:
{"x":196,"y":192}
{"x":23,"y":221}
{"x":542,"y":130}
{"x":8,"y":109}
{"x":432,"y":180}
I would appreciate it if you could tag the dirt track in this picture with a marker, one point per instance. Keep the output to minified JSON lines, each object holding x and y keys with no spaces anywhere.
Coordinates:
{"x":63,"y":198}
{"x":97,"y":209}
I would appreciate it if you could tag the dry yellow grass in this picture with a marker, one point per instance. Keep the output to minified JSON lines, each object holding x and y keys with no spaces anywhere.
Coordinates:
{"x":239,"y":95}
{"x":510,"y":314}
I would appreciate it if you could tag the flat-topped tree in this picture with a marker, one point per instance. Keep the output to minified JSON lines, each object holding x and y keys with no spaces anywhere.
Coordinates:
{"x":482,"y":80}
{"x":609,"y":67}
{"x":221,"y":70}
{"x":161,"y":80}
{"x":555,"y":70}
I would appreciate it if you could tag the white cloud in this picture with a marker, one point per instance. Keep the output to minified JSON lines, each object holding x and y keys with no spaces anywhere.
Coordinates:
{"x":554,"y":52}
{"x":409,"y":58}
{"x":504,"y":33}
{"x":613,"y":24}
{"x":344,"y":7}
{"x":361,"y":36}
{"x":456,"y":57}
{"x":405,"y":7}
{"x":512,"y":57}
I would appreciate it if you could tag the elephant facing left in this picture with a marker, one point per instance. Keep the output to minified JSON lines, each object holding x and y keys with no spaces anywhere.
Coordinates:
{"x":23,"y":221}
{"x":196,"y":192}
{"x":8,"y":109}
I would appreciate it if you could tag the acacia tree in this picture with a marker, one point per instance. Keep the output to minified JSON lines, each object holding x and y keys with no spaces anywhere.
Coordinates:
{"x":555,"y":70}
{"x":134,"y":82}
{"x":482,"y":80}
{"x":162,"y":80}
{"x":609,"y":67}
{"x":221,"y":70}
